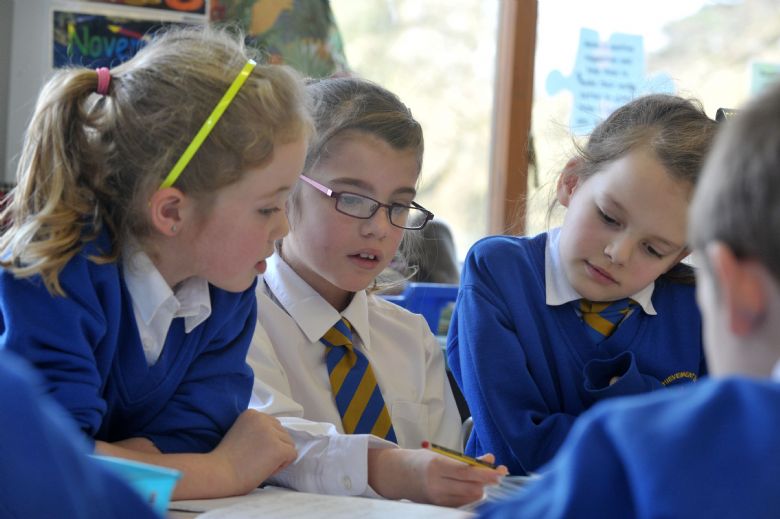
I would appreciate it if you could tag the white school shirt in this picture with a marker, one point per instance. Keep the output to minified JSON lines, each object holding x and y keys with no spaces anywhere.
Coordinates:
{"x":292,"y":382}
{"x":155,"y":305}
{"x":776,"y":372}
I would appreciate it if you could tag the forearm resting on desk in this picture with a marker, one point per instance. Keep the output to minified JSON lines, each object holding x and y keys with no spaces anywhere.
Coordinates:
{"x":255,"y":447}
{"x":203,"y":476}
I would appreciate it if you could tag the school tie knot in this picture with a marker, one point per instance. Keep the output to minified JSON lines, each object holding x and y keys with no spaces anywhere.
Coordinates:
{"x":354,"y":386}
{"x":602,"y":318}
{"x":340,"y":335}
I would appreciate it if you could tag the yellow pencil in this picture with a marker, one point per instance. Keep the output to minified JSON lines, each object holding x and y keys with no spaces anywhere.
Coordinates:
{"x":444,"y":451}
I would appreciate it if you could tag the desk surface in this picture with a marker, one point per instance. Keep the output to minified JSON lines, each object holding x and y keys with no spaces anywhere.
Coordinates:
{"x":281,"y":503}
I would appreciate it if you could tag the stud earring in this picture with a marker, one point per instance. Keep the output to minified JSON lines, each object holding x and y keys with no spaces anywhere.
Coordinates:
{"x":173,"y":228}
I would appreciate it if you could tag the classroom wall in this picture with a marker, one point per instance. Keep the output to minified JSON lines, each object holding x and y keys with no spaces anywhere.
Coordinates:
{"x":26,"y":55}
{"x":29,"y":28}
{"x":6,"y":15}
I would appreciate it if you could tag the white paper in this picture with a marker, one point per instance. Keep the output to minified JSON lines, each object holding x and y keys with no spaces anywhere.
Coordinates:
{"x":282,"y":504}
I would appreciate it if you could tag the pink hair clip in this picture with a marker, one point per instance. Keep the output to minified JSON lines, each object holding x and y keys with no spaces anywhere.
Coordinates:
{"x":104,"y":78}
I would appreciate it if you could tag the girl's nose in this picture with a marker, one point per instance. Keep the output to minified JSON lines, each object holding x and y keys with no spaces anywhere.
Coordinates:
{"x":378,"y":225}
{"x":618,"y":250}
{"x":282,"y":227}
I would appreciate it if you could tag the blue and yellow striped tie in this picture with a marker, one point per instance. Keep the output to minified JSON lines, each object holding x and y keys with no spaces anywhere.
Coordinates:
{"x":601,"y":319}
{"x":354,"y":386}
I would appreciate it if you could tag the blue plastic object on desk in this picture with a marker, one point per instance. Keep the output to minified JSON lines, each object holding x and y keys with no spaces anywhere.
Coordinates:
{"x":154,"y":483}
{"x":428,"y":299}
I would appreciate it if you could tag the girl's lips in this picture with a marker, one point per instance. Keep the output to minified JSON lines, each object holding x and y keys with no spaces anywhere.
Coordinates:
{"x":261,"y":265}
{"x":599,"y":275}
{"x":365,"y":260}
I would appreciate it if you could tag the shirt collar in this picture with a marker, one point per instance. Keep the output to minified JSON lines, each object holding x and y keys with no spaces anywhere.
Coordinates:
{"x":558,"y":290}
{"x":776,"y":372}
{"x":313,"y":315}
{"x":151,"y":294}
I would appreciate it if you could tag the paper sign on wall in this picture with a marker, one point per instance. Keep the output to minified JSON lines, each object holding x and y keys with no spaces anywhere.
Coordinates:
{"x":606,"y":75}
{"x":763,"y":75}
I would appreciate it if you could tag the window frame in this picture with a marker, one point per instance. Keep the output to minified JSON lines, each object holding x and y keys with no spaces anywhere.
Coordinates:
{"x":508,"y":182}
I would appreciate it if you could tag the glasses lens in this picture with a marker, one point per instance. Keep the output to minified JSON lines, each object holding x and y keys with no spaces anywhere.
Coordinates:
{"x":356,"y":205}
{"x":408,"y":217}
{"x":399,"y":215}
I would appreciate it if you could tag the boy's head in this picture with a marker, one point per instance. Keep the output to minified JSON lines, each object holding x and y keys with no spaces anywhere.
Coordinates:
{"x":734,"y":219}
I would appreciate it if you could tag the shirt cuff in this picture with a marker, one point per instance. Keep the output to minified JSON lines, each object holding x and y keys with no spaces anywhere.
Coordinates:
{"x":333,"y":464}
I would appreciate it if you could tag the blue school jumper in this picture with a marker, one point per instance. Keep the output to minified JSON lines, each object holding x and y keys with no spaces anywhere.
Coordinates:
{"x":88,"y":348}
{"x":528,"y":370}
{"x":703,"y":450}
{"x":44,"y":467}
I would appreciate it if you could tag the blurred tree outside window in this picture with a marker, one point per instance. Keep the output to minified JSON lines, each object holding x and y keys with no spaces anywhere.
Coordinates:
{"x":298,"y":33}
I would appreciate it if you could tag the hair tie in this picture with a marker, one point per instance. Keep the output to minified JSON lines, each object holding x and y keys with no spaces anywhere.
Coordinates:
{"x":104,"y":78}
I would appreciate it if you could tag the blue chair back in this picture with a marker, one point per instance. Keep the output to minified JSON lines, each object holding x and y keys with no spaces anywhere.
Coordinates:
{"x":428,"y":299}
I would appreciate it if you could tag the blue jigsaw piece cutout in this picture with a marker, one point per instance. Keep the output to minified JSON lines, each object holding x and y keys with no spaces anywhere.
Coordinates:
{"x":606,"y":76}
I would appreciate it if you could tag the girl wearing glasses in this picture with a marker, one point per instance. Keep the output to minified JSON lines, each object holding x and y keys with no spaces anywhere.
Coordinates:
{"x":133,"y":243}
{"x":333,"y":356}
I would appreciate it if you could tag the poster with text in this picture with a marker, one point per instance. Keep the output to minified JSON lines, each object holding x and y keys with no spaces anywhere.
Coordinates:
{"x":97,"y":40}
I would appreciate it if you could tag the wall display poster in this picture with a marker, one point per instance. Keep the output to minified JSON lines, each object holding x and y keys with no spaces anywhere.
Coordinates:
{"x":104,"y":37}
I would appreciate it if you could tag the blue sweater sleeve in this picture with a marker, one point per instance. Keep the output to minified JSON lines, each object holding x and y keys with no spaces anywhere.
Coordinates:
{"x":701,"y":450}
{"x":45,"y":470}
{"x":217,"y":385}
{"x":58,"y":335}
{"x":512,"y":417}
{"x":585,"y":479}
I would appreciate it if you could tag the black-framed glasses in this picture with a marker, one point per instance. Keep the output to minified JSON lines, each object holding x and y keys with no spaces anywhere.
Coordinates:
{"x":412,"y":217}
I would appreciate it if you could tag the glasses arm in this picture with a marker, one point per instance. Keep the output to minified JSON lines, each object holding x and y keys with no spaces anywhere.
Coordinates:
{"x":317,"y":185}
{"x":428,"y":214}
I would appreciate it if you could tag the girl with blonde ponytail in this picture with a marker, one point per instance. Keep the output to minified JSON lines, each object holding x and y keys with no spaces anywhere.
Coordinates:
{"x":148,"y":197}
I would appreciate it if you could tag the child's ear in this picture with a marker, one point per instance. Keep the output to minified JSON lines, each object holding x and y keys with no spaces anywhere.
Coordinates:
{"x":741,"y":286}
{"x":165,"y":210}
{"x":568,"y":181}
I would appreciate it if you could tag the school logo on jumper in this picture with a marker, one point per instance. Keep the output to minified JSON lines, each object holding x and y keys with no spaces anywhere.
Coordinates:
{"x":679,"y":376}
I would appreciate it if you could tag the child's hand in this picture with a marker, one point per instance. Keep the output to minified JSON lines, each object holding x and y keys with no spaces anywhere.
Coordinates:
{"x":254,"y":448}
{"x":427,"y":477}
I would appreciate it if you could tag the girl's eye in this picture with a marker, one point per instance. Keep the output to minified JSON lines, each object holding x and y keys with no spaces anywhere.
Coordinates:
{"x":606,"y":218}
{"x":269,"y":211}
{"x":347,"y":200}
{"x":400,"y":211}
{"x":651,"y":251}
